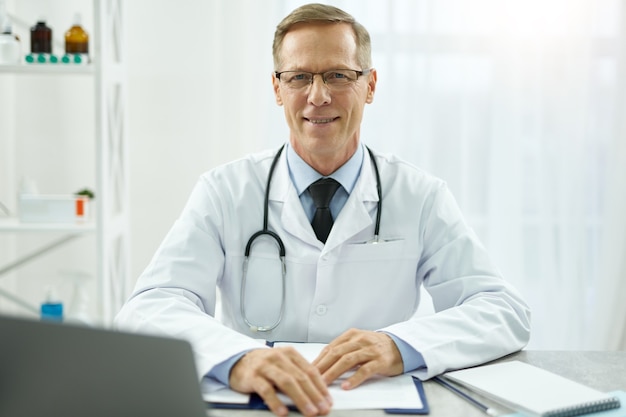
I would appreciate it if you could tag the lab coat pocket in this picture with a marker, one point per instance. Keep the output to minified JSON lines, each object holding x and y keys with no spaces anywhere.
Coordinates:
{"x":381,"y":276}
{"x":392,"y":258}
{"x":380,"y":249}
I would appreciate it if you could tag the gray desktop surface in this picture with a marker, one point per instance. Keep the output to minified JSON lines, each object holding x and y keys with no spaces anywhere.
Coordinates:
{"x":150,"y":366}
{"x":603,"y":370}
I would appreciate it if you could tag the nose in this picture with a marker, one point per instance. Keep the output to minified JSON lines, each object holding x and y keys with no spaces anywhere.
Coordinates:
{"x":319,"y":93}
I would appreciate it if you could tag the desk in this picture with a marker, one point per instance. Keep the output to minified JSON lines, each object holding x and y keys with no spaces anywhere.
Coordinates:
{"x":605,"y":371}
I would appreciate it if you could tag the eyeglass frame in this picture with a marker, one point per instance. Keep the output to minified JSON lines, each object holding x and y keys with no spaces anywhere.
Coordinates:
{"x":359,"y":73}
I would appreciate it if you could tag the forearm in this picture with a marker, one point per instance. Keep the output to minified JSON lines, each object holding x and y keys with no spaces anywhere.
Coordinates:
{"x":485,"y":327}
{"x":178,"y":313}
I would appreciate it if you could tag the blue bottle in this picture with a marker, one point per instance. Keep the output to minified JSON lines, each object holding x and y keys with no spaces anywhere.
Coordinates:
{"x":52,"y":308}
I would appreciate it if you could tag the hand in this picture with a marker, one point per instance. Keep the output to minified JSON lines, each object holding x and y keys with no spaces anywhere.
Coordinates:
{"x":370,"y":353}
{"x":266,"y":371}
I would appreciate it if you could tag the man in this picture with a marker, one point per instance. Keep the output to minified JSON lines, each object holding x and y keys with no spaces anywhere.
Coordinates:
{"x":355,"y":287}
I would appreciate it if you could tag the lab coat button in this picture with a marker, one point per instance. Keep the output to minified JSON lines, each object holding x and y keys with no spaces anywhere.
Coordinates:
{"x":321,"y":309}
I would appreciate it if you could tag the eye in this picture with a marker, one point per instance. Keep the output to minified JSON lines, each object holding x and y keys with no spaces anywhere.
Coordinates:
{"x":298,"y":77}
{"x":339,"y":76}
{"x":334,"y":75}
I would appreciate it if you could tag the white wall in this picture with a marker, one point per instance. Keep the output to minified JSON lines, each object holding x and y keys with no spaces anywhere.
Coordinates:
{"x":186,"y":115}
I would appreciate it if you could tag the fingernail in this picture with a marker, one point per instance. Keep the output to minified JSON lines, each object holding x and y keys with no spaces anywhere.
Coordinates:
{"x":323,"y":407}
{"x":282,"y":411}
{"x":346,"y":385}
{"x":329,"y":400}
{"x":310,"y":410}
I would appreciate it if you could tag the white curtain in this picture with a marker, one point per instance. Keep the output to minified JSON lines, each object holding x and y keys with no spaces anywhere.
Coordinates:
{"x":519,"y":105}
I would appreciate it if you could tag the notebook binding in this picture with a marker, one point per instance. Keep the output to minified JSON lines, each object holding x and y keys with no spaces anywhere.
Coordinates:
{"x":591,"y":407}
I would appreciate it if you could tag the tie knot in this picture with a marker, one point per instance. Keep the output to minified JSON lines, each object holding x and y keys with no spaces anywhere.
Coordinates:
{"x":322,"y":191}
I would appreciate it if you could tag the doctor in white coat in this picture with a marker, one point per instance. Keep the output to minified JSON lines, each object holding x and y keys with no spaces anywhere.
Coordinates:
{"x":358,"y":290}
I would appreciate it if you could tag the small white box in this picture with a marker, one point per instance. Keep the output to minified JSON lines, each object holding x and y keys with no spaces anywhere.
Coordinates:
{"x":38,"y":208}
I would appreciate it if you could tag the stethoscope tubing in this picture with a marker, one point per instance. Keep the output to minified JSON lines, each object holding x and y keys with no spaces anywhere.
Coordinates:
{"x":281,"y":246}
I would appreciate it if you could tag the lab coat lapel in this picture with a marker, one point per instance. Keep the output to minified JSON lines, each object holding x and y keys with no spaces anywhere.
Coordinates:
{"x":355,"y":215}
{"x":283,"y":196}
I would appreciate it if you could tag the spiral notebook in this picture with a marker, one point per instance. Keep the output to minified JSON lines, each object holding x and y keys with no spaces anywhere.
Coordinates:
{"x":532,"y":390}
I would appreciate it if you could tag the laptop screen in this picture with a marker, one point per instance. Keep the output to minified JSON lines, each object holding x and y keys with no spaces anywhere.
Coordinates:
{"x":60,"y":370}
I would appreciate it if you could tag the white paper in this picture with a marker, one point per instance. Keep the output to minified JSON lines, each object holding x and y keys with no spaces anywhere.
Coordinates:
{"x":376,"y":393}
{"x":214,"y":391}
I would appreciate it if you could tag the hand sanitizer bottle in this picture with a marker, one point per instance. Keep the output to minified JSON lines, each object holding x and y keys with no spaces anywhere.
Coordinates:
{"x":52,"y":307}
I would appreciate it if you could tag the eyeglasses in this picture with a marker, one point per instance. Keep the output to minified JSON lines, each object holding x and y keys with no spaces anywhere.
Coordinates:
{"x":336,"y":79}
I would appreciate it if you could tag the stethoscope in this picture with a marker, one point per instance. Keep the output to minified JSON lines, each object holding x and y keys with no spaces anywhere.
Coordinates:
{"x":281,"y":245}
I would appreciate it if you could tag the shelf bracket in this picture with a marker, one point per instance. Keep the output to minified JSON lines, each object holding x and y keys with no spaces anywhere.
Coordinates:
{"x":18,"y":301}
{"x":37,"y":253}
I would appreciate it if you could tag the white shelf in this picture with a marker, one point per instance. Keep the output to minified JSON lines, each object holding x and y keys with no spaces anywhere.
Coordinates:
{"x":48,"y":69}
{"x":110,"y":224}
{"x":13,"y":224}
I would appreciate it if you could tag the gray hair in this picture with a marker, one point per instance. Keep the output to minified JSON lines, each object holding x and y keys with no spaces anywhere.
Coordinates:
{"x":322,"y":13}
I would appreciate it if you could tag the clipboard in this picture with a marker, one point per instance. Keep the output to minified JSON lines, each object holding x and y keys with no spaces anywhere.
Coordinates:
{"x":424,"y":410}
{"x":256,"y":403}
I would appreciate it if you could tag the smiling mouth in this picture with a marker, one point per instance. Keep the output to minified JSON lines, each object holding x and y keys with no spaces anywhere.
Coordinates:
{"x":321,"y":121}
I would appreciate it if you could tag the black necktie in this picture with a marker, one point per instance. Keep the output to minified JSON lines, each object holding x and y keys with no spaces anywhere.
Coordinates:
{"x":322,"y":192}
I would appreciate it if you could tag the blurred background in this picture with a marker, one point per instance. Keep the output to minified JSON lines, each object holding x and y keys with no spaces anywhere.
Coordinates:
{"x":520,"y":105}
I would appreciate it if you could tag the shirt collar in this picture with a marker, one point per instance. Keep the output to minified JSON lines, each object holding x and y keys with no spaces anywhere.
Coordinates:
{"x":302,"y":174}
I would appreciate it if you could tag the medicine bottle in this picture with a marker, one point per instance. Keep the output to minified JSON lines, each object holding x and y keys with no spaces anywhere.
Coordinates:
{"x":40,"y":38}
{"x":76,"y":39}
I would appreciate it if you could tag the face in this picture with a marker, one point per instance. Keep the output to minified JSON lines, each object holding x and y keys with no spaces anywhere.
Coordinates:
{"x":324,"y":123}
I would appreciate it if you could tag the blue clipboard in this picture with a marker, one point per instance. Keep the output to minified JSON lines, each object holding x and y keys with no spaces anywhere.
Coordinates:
{"x":257,"y":403}
{"x":424,"y":410}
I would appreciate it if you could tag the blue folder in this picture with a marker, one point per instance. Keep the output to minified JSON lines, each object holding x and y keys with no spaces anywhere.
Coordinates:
{"x":256,"y":402}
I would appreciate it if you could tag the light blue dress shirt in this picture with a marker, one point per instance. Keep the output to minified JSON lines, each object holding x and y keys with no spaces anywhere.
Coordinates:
{"x":302,"y":175}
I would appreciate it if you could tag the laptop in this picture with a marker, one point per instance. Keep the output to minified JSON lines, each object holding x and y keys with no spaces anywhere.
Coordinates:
{"x":61,"y":370}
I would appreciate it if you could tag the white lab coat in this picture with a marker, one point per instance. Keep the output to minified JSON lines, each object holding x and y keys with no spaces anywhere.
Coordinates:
{"x":330,"y":288}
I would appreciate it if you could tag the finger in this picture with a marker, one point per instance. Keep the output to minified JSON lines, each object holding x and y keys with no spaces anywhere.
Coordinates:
{"x":267,"y":392}
{"x":345,"y":363}
{"x":308,"y":391}
{"x":333,"y":353}
{"x":336,"y":345}
{"x":292,"y":388}
{"x":268,"y":371}
{"x":364,"y":373}
{"x":316,"y":386}
{"x":301,"y":382}
{"x":357,"y":348}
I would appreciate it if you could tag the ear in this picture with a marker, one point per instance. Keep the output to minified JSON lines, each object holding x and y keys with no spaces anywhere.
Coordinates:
{"x":371,"y":86}
{"x":276,"y":87}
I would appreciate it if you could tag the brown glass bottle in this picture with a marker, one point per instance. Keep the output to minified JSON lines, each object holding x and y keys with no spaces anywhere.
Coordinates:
{"x":76,"y":39}
{"x":40,"y":38}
